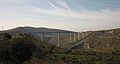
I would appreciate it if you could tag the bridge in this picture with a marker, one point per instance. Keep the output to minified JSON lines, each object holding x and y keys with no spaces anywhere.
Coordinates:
{"x":79,"y":42}
{"x":73,"y":38}
{"x":66,"y":37}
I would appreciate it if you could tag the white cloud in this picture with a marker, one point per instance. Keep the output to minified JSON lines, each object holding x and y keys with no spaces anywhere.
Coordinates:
{"x":51,"y":4}
{"x":104,"y":15}
{"x":58,"y":16}
{"x":59,"y":4}
{"x":63,"y":4}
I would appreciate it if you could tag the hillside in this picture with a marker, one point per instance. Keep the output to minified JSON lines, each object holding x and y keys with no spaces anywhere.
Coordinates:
{"x":104,"y":40}
{"x":98,"y":40}
{"x":32,"y":30}
{"x":97,"y":47}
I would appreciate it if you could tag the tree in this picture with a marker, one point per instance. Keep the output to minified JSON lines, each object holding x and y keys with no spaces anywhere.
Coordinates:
{"x":5,"y":49}
{"x":5,"y":52}
{"x":7,"y":36}
{"x":22,"y":48}
{"x":16,"y":50}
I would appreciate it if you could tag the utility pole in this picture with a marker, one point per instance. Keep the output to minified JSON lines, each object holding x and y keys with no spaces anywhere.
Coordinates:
{"x":1,"y":28}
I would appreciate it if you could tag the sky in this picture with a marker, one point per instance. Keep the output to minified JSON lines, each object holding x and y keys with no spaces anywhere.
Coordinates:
{"x":75,"y":15}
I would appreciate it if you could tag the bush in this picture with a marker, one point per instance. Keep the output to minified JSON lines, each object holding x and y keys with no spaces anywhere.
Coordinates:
{"x":17,"y":50}
{"x":5,"y":52}
{"x":22,"y":48}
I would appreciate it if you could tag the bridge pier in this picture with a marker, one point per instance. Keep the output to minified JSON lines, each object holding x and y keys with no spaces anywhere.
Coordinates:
{"x":74,"y":37}
{"x":70,"y":37}
{"x":82,"y":35}
{"x":78,"y":36}
{"x":42,"y":36}
{"x":86,"y":34}
{"x":58,"y":39}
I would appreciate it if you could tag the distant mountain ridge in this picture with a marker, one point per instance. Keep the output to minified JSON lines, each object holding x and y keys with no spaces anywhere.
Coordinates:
{"x":29,"y":30}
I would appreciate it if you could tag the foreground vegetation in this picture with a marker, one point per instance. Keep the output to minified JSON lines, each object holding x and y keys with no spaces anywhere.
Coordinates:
{"x":26,"y":49}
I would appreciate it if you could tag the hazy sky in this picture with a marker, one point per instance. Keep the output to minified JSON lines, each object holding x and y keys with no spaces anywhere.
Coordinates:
{"x":77,"y":15}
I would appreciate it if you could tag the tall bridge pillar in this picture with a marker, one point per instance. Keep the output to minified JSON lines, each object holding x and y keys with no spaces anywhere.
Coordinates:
{"x":82,"y":35}
{"x":70,"y":37}
{"x":58,"y":40}
{"x":74,"y":37}
{"x":42,"y":36}
{"x":78,"y":36}
{"x":86,"y":34}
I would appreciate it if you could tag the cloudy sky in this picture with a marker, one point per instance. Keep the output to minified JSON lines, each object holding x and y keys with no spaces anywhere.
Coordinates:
{"x":77,"y":15}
